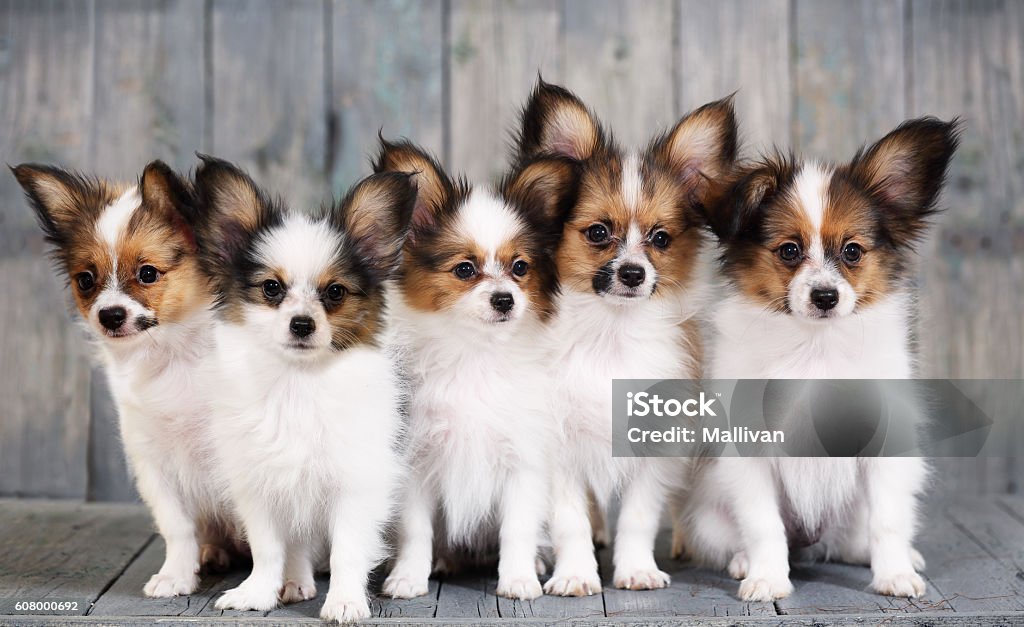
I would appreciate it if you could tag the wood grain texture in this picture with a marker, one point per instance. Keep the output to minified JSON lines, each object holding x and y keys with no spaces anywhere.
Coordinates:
{"x":383,"y":82}
{"x":849,"y":80}
{"x":620,"y":62}
{"x":740,"y":46}
{"x":45,"y":111}
{"x":495,"y":53}
{"x":269,"y":95}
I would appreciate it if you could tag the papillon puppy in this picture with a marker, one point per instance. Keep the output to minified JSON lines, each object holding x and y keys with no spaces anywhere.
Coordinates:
{"x":474,"y":297}
{"x":627,"y":267}
{"x":307,"y":411}
{"x":129,"y":252}
{"x":818,"y":262}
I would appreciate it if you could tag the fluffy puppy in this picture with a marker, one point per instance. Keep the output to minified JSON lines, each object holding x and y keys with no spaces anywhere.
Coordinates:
{"x":627,"y":268}
{"x":473,"y":297}
{"x":129,"y":252}
{"x":817,"y":258}
{"x":307,"y":408}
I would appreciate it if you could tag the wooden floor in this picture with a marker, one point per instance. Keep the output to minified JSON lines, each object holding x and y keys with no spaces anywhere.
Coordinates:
{"x":99,"y":556}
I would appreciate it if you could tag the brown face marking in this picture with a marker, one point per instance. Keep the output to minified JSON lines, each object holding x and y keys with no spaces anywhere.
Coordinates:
{"x":428,"y":279}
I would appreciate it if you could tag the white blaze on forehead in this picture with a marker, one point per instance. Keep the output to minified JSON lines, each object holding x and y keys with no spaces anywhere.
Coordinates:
{"x":811,"y":190}
{"x":115,"y":217}
{"x":486,"y":220}
{"x":631,"y":181}
{"x":301,"y":248}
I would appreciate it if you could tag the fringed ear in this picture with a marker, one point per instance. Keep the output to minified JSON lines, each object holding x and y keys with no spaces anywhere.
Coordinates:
{"x":904,"y":172}
{"x":545,"y":189}
{"x":163,"y":190}
{"x":60,"y":198}
{"x":433,"y":188}
{"x":701,"y":148}
{"x":556,"y":122}
{"x":376,"y":215}
{"x":233,"y":209}
{"x":732,"y":214}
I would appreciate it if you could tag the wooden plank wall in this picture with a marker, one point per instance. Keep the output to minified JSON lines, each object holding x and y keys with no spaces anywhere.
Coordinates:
{"x":297,"y":90}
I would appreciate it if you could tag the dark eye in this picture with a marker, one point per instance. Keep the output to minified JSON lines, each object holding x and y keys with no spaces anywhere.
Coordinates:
{"x":335,"y":292}
{"x":661,"y":239}
{"x":148,"y":274}
{"x":520,"y":267}
{"x":852,"y":253}
{"x":789,"y":252}
{"x":465,"y":270}
{"x":271,"y":288}
{"x":85,"y":281}
{"x":597,"y":233}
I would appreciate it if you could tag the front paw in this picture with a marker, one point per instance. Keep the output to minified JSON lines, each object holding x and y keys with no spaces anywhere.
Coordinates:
{"x":345,"y":610}
{"x":247,"y":597}
{"x":525,"y":588}
{"x":295,"y":591}
{"x":580,"y":585}
{"x":161,"y":586}
{"x":642,"y":579}
{"x":739,"y":565}
{"x":899,"y":585}
{"x":765,"y":589}
{"x":401,"y":586}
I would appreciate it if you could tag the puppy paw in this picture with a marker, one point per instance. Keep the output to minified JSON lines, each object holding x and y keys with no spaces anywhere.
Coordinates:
{"x":398,"y":586}
{"x":642,"y":579}
{"x":526,"y":588}
{"x":573,"y":585}
{"x":160,"y":586}
{"x":739,"y":565}
{"x":247,"y":598}
{"x":295,"y":591}
{"x":214,"y":559}
{"x":916,"y":560}
{"x":899,"y":585}
{"x":345,"y":610}
{"x":765,"y":589}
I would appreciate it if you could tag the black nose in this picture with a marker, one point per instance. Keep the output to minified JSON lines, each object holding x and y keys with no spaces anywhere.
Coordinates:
{"x":632,"y":275}
{"x":302,"y":326}
{"x":502,"y":302}
{"x":824,"y":299}
{"x":113,"y":318}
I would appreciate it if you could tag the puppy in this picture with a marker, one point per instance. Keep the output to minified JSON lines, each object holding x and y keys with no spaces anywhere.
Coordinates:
{"x":818,"y":261}
{"x":129,"y":252}
{"x":629,"y":292}
{"x":307,"y":410}
{"x":473,"y":297}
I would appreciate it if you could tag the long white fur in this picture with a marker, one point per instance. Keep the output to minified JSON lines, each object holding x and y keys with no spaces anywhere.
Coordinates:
{"x":163,"y":414}
{"x":596,"y":339}
{"x":479,"y":435}
{"x":864,"y":507}
{"x":308,"y":442}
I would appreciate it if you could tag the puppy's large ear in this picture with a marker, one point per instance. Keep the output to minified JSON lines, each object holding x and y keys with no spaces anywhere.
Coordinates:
{"x":434,"y":190}
{"x":376,"y":215}
{"x":701,"y":149}
{"x":545,"y":189}
{"x":556,"y":122}
{"x":904,"y":172}
{"x":164,"y":191}
{"x":732,"y":213}
{"x":59,"y":198}
{"x":233,"y":209}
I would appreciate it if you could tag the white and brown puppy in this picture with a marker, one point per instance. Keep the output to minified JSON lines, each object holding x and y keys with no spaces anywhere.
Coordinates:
{"x":474,"y":297}
{"x":306,"y":416}
{"x":629,"y":292}
{"x":818,"y":261}
{"x":129,"y":252}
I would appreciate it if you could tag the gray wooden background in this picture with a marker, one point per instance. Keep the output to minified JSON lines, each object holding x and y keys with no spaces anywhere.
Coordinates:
{"x":295,"y":91}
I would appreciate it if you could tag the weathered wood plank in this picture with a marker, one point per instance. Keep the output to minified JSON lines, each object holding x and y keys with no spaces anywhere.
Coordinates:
{"x":740,"y":45}
{"x":619,"y":61}
{"x":63,"y":551}
{"x":468,"y":595}
{"x":495,"y":53}
{"x":382,"y":81}
{"x":849,"y":81}
{"x":269,"y":94}
{"x":45,"y":109}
